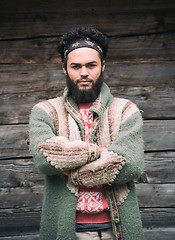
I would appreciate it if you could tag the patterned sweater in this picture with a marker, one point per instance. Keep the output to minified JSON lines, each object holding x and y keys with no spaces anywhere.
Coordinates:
{"x":57,"y":143}
{"x":92,"y":206}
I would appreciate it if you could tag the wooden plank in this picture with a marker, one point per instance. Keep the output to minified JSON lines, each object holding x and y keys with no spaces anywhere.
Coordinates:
{"x":21,"y":199}
{"x":19,"y":173}
{"x":159,"y":168}
{"x":50,"y":77}
{"x":14,"y":141}
{"x":157,"y":217}
{"x":120,"y":5}
{"x":156,"y":195}
{"x":158,"y":136}
{"x":21,"y":237}
{"x":151,"y":47}
{"x":113,"y":18}
{"x":159,"y":233}
{"x":54,"y":5}
{"x":28,"y":223}
{"x":149,"y":85}
{"x":25,"y":78}
{"x":29,"y":199}
{"x":21,"y":208}
{"x":155,"y":47}
{"x":16,"y":224}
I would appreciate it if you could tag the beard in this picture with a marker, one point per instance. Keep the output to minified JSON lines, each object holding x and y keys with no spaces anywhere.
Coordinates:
{"x":87,"y":95}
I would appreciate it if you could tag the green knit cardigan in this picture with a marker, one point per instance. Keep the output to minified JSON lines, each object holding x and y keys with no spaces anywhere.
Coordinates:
{"x":126,"y":149}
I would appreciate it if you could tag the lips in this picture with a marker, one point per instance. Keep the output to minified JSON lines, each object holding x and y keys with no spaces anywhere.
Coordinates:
{"x":84,"y":82}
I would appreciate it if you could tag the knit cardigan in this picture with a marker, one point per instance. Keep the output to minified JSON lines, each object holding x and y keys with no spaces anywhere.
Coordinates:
{"x":57,"y":143}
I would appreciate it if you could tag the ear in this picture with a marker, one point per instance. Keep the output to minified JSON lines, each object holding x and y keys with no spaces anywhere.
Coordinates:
{"x":64,"y":70}
{"x":103,"y":66}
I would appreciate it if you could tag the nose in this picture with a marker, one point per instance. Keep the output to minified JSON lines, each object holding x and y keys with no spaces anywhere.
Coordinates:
{"x":84,"y":72}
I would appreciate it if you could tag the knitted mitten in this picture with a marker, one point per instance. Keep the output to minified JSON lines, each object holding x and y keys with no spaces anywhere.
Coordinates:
{"x":64,"y":154}
{"x":101,"y":171}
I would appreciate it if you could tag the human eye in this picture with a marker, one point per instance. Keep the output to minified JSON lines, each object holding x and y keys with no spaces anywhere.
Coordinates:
{"x":75,"y":67}
{"x":91,"y":65}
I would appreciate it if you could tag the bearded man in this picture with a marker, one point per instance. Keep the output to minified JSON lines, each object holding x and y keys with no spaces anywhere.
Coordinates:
{"x":89,"y":146}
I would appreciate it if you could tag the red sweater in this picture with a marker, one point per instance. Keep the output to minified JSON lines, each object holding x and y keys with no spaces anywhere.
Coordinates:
{"x":92,"y":206}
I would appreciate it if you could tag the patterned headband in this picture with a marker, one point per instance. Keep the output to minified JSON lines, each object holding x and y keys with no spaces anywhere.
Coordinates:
{"x":87,"y":42}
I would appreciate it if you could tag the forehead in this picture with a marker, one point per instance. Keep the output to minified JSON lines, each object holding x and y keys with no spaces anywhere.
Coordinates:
{"x":83,"y":55}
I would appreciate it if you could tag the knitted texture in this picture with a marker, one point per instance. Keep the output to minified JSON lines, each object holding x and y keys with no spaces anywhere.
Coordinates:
{"x":125,"y":147}
{"x":65,"y":154}
{"x":101,"y":171}
{"x":129,"y":144}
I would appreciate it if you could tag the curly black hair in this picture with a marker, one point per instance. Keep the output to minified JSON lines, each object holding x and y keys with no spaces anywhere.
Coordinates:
{"x":80,"y":33}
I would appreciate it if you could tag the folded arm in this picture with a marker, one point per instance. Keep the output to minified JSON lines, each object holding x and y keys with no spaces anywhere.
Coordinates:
{"x":123,"y":162}
{"x":54,"y":154}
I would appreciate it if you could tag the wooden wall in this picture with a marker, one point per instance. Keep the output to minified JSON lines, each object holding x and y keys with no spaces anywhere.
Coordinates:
{"x":140,"y":66}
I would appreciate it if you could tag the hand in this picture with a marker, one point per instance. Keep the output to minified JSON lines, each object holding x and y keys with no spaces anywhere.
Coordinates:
{"x":102,"y":171}
{"x":102,"y":149}
{"x":64,"y":154}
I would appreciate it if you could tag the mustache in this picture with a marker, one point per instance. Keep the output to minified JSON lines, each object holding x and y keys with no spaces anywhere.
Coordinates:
{"x":84,"y":79}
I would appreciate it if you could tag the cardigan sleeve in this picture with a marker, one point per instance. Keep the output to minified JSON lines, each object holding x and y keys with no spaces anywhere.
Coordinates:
{"x":122,"y":163}
{"x":41,"y":127}
{"x":53,"y":154}
{"x":130,"y":145}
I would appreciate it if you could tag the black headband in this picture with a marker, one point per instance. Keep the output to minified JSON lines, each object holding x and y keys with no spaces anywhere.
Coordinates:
{"x":79,"y":43}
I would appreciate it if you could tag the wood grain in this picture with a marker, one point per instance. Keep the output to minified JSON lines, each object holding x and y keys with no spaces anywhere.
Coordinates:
{"x":152,"y":47}
{"x":22,"y":199}
{"x":158,"y":136}
{"x":161,"y":234}
{"x":113,"y":18}
{"x":21,"y":207}
{"x":150,"y":85}
{"x":156,"y":195}
{"x":159,"y":168}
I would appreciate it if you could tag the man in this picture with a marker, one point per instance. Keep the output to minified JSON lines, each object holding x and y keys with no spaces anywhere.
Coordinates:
{"x":89,"y":146}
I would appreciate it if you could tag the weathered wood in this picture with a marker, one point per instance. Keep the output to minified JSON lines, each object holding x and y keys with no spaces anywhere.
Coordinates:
{"x":155,"y":47}
{"x":21,"y":237}
{"x":31,"y":78}
{"x":29,"y":199}
{"x":24,"y":78}
{"x":157,"y":217}
{"x":21,"y":199}
{"x":158,"y":136}
{"x":156,"y":195}
{"x":21,"y":207}
{"x":151,"y":47}
{"x":19,"y":173}
{"x":16,"y":224}
{"x":149,"y":85}
{"x":159,"y":233}
{"x":159,"y":168}
{"x":28,"y":223}
{"x":14,"y":141}
{"x":38,"y":18}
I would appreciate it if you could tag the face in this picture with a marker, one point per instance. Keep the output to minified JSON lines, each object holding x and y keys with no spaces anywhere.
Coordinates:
{"x":84,"y":67}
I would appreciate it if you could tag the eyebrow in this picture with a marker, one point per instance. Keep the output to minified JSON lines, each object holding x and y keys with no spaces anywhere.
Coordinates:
{"x":73,"y":63}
